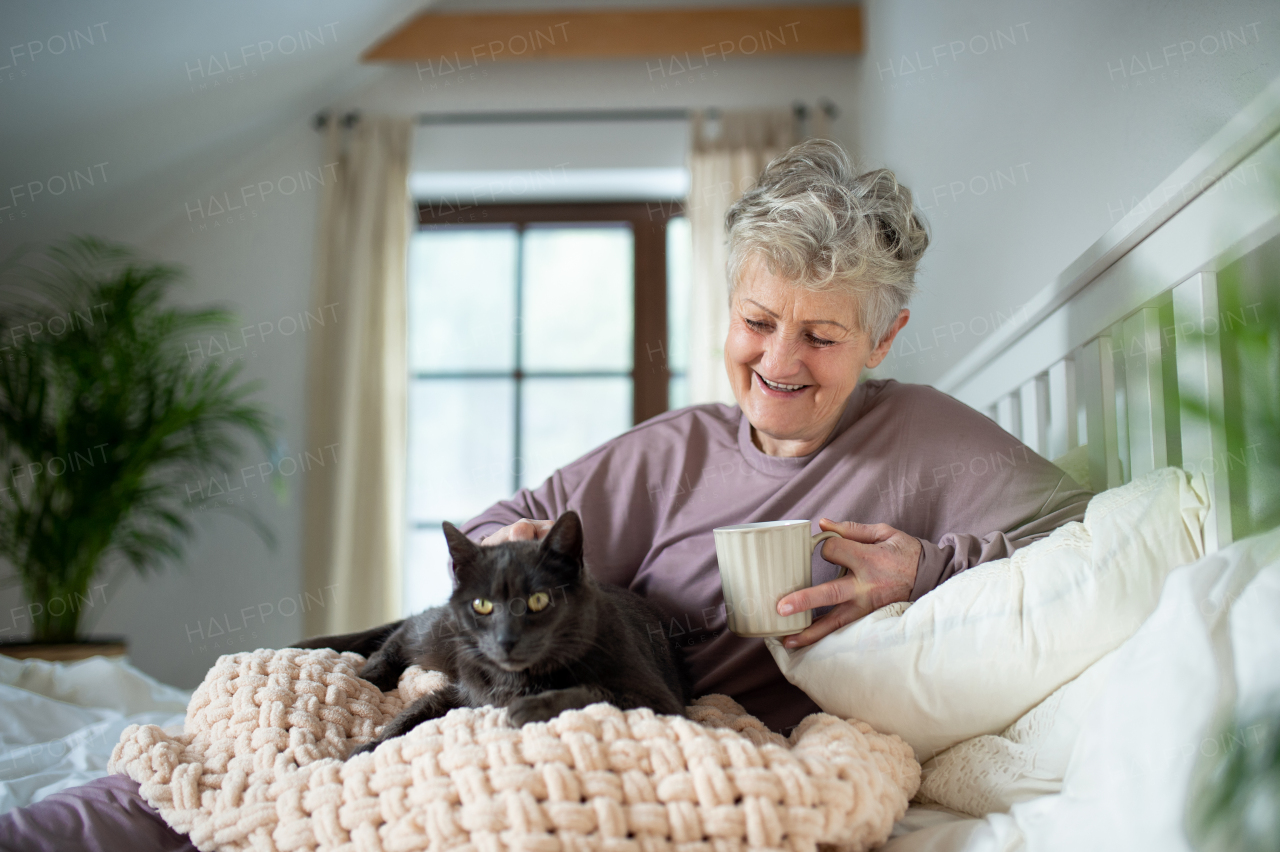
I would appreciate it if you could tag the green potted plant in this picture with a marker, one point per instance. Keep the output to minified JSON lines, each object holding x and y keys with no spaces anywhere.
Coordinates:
{"x":104,"y":418}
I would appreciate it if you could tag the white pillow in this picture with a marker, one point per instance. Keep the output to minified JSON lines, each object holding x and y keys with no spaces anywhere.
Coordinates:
{"x":986,"y":646}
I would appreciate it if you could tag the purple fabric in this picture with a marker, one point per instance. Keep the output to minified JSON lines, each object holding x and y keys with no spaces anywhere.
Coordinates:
{"x":106,"y":815}
{"x":905,"y":455}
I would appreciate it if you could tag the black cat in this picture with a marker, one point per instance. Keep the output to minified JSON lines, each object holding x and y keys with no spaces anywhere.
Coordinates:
{"x":529,"y":629}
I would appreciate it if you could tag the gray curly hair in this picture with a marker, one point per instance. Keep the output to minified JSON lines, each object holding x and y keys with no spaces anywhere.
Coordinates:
{"x":820,"y":226}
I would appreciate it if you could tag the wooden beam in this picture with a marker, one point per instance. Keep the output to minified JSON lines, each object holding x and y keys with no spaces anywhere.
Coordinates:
{"x":692,"y":36}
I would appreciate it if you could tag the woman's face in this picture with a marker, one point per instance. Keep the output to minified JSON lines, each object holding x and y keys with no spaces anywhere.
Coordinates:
{"x":793,"y":357}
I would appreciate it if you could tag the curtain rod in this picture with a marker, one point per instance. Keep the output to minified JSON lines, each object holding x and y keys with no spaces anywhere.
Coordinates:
{"x":349,"y":119}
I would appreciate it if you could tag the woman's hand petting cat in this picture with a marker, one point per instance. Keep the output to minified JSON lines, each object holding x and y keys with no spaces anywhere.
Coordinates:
{"x":882,"y":564}
{"x":524,"y":529}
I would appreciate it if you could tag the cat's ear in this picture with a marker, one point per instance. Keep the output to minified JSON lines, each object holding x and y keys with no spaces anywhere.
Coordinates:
{"x":565,"y":537}
{"x":463,"y":550}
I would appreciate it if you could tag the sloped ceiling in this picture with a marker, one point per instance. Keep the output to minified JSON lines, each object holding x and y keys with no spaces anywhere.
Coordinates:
{"x":161,"y":91}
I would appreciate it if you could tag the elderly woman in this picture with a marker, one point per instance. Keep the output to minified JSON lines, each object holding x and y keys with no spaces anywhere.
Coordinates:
{"x":919,"y":486}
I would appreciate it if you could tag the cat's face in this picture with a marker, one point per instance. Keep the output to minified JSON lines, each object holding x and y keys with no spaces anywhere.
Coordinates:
{"x":516,"y":601}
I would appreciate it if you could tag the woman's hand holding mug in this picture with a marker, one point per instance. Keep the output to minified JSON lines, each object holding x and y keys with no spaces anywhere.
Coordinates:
{"x":880,"y":564}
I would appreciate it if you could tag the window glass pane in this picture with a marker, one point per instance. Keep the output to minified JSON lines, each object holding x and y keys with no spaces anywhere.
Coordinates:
{"x":678,"y":392}
{"x":577,"y":300}
{"x":462,"y":298}
{"x":679,"y":295}
{"x":563,"y":419}
{"x":461,"y":441}
{"x":426,"y":576}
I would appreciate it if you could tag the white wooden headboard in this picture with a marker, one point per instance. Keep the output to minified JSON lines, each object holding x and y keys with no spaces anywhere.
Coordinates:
{"x":1133,"y":323}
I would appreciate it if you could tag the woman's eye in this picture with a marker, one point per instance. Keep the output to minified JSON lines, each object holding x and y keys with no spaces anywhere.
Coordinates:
{"x":819,"y":341}
{"x":538,"y":601}
{"x":756,"y":325}
{"x":482,"y":606}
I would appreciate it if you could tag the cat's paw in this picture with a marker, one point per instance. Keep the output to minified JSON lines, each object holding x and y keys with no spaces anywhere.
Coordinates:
{"x":384,"y":684}
{"x":367,"y":747}
{"x":380,"y":676}
{"x":532,"y":708}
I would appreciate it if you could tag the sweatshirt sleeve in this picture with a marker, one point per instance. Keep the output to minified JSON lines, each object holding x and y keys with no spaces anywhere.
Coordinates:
{"x":956,"y":552}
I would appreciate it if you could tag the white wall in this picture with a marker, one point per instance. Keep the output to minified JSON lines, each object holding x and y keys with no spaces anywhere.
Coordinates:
{"x":1067,"y":110}
{"x":256,"y":261}
{"x":145,"y":99}
{"x":725,"y":81}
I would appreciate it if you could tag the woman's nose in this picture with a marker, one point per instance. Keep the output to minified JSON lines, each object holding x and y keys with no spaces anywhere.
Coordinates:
{"x":780,"y":356}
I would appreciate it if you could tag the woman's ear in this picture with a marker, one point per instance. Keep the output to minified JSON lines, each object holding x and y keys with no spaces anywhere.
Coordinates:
{"x":886,"y":343}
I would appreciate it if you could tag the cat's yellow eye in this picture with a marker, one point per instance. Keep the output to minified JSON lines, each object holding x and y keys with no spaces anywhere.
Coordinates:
{"x":482,"y":606}
{"x":538,"y":601}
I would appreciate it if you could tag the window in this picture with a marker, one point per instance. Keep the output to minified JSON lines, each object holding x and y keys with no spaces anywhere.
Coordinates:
{"x":679,"y":294}
{"x":536,"y":333}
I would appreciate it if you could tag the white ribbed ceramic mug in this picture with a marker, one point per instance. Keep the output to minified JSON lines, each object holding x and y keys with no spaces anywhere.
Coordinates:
{"x":761,"y":563}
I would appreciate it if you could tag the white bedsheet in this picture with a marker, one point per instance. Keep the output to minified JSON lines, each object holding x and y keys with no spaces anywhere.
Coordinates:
{"x":58,"y":723}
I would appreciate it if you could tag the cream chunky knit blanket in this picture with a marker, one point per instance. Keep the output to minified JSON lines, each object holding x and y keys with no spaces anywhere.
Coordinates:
{"x":260,"y":766}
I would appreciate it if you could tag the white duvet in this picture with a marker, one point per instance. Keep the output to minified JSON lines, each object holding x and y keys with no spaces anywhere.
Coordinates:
{"x":1209,"y":648}
{"x":58,"y":723}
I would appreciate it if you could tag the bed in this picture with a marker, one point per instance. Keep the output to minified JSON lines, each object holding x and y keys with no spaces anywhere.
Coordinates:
{"x":61,"y":721}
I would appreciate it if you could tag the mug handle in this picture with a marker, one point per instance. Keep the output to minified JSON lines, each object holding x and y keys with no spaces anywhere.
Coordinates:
{"x":816,"y":540}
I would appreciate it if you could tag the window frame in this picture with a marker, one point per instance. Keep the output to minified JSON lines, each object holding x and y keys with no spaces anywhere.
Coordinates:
{"x":650,"y":368}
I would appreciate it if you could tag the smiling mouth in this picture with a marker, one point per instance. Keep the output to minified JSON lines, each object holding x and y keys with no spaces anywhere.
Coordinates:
{"x":779,"y":386}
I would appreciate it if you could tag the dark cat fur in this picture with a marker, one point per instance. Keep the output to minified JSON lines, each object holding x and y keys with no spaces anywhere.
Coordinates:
{"x":592,"y":643}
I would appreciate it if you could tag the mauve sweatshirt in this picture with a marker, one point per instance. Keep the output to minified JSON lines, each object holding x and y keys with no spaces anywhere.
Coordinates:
{"x":905,"y":455}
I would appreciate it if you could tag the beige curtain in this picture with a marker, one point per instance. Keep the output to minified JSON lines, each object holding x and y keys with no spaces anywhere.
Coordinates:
{"x":357,"y":383}
{"x":729,"y":152}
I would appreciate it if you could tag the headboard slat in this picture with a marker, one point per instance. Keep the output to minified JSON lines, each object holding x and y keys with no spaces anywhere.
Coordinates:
{"x":1034,"y":404}
{"x":1062,"y":408}
{"x":1097,"y":385}
{"x":1204,"y":440}
{"x":1009,"y":414}
{"x":1144,"y":381}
